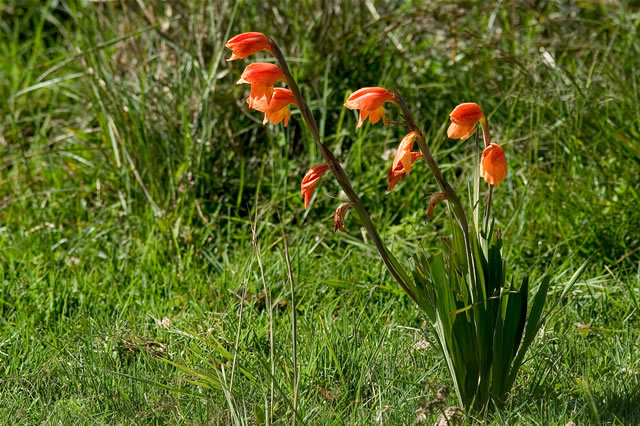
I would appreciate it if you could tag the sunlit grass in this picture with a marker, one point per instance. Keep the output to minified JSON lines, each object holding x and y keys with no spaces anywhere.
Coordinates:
{"x":130,"y":169}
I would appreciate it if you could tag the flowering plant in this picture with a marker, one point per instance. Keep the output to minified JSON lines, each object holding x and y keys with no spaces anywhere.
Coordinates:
{"x":483,"y":322}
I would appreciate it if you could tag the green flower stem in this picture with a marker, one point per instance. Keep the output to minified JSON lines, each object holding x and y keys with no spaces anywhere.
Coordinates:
{"x":486,"y":213}
{"x":390,"y":262}
{"x":487,"y":141}
{"x":486,"y":135}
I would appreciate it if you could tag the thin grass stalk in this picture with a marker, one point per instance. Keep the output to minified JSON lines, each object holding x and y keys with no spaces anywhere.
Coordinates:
{"x":338,"y":172}
{"x":267,"y":301}
{"x":294,"y":326}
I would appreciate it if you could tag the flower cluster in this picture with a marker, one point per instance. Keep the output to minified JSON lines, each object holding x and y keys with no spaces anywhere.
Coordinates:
{"x":468,"y":275}
{"x":262,"y":77}
{"x":274,"y":103}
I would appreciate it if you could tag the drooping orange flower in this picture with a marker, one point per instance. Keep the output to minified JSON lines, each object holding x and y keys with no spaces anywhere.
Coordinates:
{"x":246,"y":44}
{"x":493,"y":166}
{"x":403,"y":160}
{"x":276,"y":110}
{"x":403,"y":153}
{"x":338,"y":217}
{"x":310,"y":181}
{"x":370,"y":101}
{"x":261,"y":76}
{"x":464,"y":118}
{"x":398,"y":173}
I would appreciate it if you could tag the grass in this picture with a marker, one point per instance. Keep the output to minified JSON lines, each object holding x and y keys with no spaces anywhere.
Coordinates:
{"x":131,"y":172}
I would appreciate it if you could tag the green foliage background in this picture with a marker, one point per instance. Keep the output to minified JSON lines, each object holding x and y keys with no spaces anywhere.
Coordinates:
{"x":131,"y":168}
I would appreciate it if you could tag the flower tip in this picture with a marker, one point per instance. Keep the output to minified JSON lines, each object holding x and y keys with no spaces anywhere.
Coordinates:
{"x":435,"y":199}
{"x":245,"y":44}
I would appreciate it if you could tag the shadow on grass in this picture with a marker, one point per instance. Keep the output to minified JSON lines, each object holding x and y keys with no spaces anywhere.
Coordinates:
{"x":622,"y":405}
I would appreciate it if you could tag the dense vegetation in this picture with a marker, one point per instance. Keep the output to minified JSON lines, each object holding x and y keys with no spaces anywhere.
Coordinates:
{"x":131,"y":173}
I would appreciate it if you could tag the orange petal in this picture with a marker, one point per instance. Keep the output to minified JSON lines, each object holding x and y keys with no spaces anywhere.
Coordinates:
{"x":376,"y":114}
{"x":466,"y":114}
{"x":369,"y":98}
{"x":403,"y":153}
{"x":393,"y":181}
{"x":460,"y":131}
{"x":493,"y":166}
{"x":276,"y":116}
{"x":277,"y":110}
{"x":363,"y":116}
{"x":370,"y":101}
{"x":464,"y":118}
{"x":397,"y":173}
{"x":310,"y":181}
{"x":246,"y":44}
{"x":262,"y":77}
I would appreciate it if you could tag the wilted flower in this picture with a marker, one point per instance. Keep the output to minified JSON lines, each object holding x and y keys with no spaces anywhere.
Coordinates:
{"x":246,"y":44}
{"x":370,"y":101}
{"x":276,"y":110}
{"x":464,"y":118}
{"x":398,"y":173}
{"x":310,"y":180}
{"x":493,"y":166}
{"x":433,"y":201}
{"x":261,"y":76}
{"x":338,"y":217}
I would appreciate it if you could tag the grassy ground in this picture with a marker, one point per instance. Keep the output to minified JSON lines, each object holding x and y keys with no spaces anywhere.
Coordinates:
{"x":131,"y":172}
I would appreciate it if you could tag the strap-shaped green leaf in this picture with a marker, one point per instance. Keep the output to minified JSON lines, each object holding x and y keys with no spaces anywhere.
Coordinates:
{"x":532,"y":327}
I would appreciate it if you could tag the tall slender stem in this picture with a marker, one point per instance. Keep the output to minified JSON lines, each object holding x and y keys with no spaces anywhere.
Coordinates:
{"x":294,"y":327}
{"x":338,"y":172}
{"x":486,"y":135}
{"x":452,"y":197}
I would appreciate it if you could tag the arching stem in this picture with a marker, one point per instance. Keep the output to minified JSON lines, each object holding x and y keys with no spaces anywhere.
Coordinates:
{"x":338,"y":172}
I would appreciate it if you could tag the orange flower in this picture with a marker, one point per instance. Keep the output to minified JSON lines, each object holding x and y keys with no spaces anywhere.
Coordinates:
{"x":403,"y":153}
{"x":369,"y":100}
{"x":464,"y":118}
{"x":261,"y":76}
{"x":403,"y":160}
{"x":246,"y":44}
{"x":310,"y":180}
{"x":276,"y":110}
{"x":338,"y":217}
{"x":493,"y":167}
{"x":397,"y":173}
